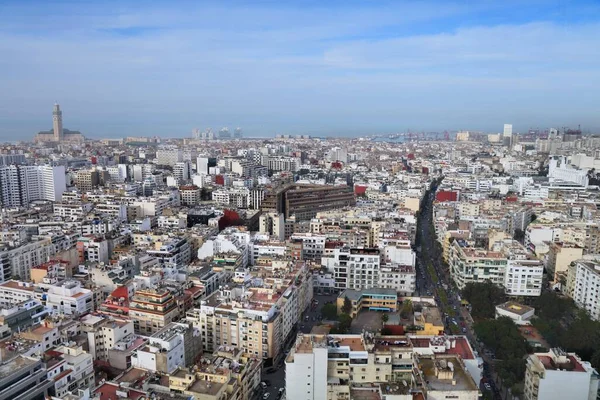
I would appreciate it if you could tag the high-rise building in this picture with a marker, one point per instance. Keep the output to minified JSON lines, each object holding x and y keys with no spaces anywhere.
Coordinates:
{"x":22,"y":184}
{"x":507,"y":134}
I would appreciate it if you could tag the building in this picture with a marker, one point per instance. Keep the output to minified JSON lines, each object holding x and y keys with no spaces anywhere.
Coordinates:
{"x":152,"y":309}
{"x":401,"y":278}
{"x":354,"y":268}
{"x":558,"y":375}
{"x":58,"y":133}
{"x":22,"y":184}
{"x":169,"y":156}
{"x":305,"y":201}
{"x":172,"y":347}
{"x":583,"y":284}
{"x":354,"y":367}
{"x":69,"y":299}
{"x":519,"y":313}
{"x":229,"y":373}
{"x":24,"y":378}
{"x":371,"y":299}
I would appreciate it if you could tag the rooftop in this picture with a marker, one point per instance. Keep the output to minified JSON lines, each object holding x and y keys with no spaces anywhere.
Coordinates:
{"x":446,"y":374}
{"x":514,"y":307}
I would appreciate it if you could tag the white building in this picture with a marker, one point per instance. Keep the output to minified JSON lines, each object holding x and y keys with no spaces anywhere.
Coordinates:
{"x":169,"y":156}
{"x":401,"y":278}
{"x":69,"y":299}
{"x":308,"y":367}
{"x":519,"y":313}
{"x":354,"y":268}
{"x":523,"y":277}
{"x":583,"y":286}
{"x":165,"y":351}
{"x":558,"y":375}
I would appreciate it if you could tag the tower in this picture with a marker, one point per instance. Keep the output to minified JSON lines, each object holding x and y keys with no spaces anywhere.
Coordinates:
{"x":57,"y":124}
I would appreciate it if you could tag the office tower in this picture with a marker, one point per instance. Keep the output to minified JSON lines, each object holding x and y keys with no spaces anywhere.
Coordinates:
{"x":507,"y":135}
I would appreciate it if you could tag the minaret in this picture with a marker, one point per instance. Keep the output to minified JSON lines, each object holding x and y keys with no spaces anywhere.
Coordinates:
{"x":57,"y":123}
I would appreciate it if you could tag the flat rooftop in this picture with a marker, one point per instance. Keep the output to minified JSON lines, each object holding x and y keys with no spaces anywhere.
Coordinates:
{"x":15,"y":365}
{"x":460,"y":381}
{"x":515,"y":308}
{"x":206,"y":387}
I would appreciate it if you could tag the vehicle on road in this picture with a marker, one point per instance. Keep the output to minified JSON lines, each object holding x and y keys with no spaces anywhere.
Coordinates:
{"x":267,"y":382}
{"x":263,"y":385}
{"x":266,"y":396}
{"x":487,"y":386}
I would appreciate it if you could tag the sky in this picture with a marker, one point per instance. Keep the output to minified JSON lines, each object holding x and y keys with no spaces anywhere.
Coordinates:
{"x":124,"y":68}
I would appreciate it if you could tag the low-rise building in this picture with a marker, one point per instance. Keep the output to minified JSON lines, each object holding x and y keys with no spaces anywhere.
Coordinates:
{"x":519,"y":313}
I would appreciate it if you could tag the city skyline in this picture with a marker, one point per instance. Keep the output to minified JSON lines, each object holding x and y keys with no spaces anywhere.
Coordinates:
{"x":119,"y":69}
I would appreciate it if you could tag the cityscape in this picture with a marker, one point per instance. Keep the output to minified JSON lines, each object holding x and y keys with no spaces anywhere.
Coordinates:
{"x":299,"y":201}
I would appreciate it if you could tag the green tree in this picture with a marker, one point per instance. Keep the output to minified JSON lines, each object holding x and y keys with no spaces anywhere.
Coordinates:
{"x":407,"y":309}
{"x":347,"y":306}
{"x":483,"y":298}
{"x":384,"y":319}
{"x":329,"y":311}
{"x":596,"y":360}
{"x":343,"y":325}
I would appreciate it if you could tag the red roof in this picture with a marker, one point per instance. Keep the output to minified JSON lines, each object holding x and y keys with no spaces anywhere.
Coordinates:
{"x":121,"y":291}
{"x":395,"y":330}
{"x":108,"y":391}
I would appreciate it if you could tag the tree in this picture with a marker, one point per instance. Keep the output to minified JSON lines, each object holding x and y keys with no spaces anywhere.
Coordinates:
{"x":343,"y":325}
{"x":596,"y":360}
{"x":407,"y":309}
{"x":347,"y":307}
{"x":384,"y":319}
{"x":483,"y":298}
{"x":329,"y":311}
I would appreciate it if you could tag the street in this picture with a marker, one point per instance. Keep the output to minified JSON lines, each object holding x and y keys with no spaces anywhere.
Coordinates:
{"x":453,"y":312}
{"x":275,"y":376}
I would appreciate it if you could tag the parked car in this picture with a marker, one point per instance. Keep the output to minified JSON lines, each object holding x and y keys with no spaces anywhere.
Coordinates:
{"x":266,"y":396}
{"x":487,"y":386}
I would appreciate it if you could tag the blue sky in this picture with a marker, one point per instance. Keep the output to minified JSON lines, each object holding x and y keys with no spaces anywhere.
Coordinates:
{"x":320,"y":67}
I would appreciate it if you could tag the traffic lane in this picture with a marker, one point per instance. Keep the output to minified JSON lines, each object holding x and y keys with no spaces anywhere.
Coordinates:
{"x":275,"y":380}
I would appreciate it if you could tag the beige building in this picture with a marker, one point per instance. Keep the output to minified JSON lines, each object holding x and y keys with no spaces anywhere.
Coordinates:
{"x":560,"y":256}
{"x":152,"y":309}
{"x":228,"y":374}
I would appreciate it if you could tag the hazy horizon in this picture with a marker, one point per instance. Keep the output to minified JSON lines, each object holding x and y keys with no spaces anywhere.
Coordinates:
{"x":325,"y":69}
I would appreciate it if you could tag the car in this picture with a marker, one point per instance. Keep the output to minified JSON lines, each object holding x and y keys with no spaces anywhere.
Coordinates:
{"x":487,"y":386}
{"x":464,"y":330}
{"x":266,"y":396}
{"x":263,"y":385}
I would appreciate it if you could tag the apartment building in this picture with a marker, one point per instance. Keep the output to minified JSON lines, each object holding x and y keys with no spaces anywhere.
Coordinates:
{"x":172,"y":347}
{"x":18,"y":261}
{"x":558,"y":375}
{"x":401,"y":278}
{"x":69,"y":298}
{"x":329,"y":367}
{"x":152,"y":309}
{"x":354,"y":268}
{"x":24,"y":378}
{"x":583,"y":286}
{"x":103,"y":333}
{"x":228,"y":374}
